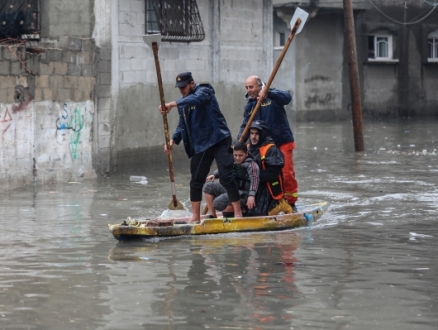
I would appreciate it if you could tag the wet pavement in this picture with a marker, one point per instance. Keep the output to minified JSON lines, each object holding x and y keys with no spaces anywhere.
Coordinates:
{"x":369,"y":263}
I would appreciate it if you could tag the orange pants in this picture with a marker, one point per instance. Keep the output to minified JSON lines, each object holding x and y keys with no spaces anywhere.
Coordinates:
{"x":290,"y":183}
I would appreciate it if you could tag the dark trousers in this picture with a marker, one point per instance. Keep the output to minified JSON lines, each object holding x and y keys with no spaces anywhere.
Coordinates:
{"x":200,"y":165}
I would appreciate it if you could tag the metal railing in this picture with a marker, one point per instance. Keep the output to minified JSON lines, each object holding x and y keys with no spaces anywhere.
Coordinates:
{"x":175,"y":20}
{"x":19,"y":19}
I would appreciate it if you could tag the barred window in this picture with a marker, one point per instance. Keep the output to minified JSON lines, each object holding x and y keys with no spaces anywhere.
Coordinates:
{"x":175,"y":20}
{"x":19,"y":19}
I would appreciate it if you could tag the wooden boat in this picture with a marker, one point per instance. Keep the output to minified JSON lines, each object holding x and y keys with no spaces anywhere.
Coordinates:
{"x":147,"y":228}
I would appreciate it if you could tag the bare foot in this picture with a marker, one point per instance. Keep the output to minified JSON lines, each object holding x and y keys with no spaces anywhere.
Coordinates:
{"x":192,"y":220}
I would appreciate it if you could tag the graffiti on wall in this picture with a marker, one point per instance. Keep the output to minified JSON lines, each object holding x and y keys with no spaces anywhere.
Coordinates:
{"x":5,"y":120}
{"x":69,"y":126}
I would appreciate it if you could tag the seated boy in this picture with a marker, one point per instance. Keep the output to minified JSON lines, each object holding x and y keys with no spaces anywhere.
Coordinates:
{"x":246,"y":174}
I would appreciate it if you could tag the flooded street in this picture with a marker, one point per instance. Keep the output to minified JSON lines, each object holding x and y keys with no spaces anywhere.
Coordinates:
{"x":369,"y":263}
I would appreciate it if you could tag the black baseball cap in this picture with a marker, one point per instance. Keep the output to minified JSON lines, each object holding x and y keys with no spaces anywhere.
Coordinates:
{"x":183,"y":79}
{"x":258,"y":124}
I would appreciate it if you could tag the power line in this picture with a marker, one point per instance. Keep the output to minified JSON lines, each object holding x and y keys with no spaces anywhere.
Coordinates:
{"x":403,"y":23}
{"x":432,"y":4}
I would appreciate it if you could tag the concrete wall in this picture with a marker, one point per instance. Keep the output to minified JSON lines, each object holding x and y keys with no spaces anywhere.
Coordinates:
{"x":400,"y":88}
{"x":47,"y":106}
{"x":235,"y":46}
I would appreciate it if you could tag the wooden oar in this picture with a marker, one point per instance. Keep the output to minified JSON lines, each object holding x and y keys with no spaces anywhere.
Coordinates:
{"x":297,"y":22}
{"x":153,"y":41}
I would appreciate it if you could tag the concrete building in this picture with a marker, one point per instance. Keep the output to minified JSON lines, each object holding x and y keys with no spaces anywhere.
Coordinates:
{"x":397,"y":58}
{"x":79,"y":98}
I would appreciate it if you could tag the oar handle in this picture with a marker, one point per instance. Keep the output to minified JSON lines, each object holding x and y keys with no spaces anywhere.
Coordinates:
{"x":271,"y":78}
{"x":165,"y":123}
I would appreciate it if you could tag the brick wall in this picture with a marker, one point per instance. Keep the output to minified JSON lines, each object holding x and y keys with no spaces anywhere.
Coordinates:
{"x":47,"y":112}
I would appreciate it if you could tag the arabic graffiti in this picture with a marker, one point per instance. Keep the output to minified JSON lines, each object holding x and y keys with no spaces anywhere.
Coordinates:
{"x":69,"y":126}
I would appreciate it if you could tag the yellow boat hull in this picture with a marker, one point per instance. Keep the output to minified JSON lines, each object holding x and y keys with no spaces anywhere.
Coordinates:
{"x":135,"y":229}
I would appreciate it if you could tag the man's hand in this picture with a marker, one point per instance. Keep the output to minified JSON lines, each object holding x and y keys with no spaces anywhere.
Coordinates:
{"x":168,"y":107}
{"x":261,"y":95}
{"x":250,"y":202}
{"x":169,"y":151}
{"x":210,"y":178}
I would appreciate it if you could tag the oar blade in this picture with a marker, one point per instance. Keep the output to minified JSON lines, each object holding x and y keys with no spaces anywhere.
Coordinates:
{"x":299,"y":14}
{"x":178,"y":205}
{"x":149,"y":39}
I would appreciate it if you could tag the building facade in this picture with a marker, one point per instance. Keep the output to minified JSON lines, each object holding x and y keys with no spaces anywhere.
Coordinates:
{"x":78,"y":85}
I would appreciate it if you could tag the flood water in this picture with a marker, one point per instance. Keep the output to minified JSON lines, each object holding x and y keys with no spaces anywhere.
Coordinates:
{"x":369,"y":263}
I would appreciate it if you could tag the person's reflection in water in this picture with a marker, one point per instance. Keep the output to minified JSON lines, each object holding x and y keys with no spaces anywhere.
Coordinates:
{"x":248,"y":284}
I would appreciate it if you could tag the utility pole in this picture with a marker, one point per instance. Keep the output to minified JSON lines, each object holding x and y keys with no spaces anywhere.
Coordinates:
{"x":354,"y":76}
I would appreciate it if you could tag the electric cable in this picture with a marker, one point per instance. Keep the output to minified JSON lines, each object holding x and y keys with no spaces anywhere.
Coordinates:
{"x":403,"y":23}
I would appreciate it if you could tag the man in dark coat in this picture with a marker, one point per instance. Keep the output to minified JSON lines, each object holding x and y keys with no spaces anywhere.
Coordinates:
{"x":206,"y":137}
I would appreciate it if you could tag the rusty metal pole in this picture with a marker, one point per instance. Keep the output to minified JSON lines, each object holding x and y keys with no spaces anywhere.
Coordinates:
{"x":354,"y":76}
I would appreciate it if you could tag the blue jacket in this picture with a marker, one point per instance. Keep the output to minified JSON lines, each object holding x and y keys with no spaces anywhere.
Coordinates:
{"x":273,"y":114}
{"x":201,"y":122}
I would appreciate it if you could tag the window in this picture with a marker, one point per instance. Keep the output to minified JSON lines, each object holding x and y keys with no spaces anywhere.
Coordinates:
{"x":380,"y":47}
{"x":176,"y":20}
{"x":19,"y":19}
{"x":432,"y":40}
{"x":282,"y":39}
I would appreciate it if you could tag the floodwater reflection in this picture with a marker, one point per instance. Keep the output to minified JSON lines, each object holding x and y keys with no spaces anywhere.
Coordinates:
{"x":369,"y":263}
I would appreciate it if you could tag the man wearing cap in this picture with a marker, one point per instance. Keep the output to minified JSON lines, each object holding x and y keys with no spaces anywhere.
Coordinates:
{"x":272,"y":112}
{"x":270,"y":196}
{"x":206,"y":137}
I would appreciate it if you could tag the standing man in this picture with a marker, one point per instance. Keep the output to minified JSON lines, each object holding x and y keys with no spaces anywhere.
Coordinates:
{"x":272,"y":112}
{"x":204,"y":131}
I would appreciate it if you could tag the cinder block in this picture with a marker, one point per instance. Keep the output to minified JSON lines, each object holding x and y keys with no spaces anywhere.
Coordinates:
{"x":46,"y":68}
{"x":33,"y":64}
{"x":5,"y":67}
{"x":42,"y":81}
{"x":87,"y":70}
{"x":4,"y":95}
{"x":7,"y":81}
{"x":60,"y":68}
{"x":104,"y":91}
{"x":70,"y":82}
{"x":38,"y":94}
{"x":84,"y":57}
{"x":86,"y":82}
{"x":56,"y":82}
{"x":105,"y":78}
{"x":64,"y":95}
{"x":10,"y":53}
{"x":11,"y":94}
{"x":74,"y":44}
{"x":104,"y":66}
{"x":80,"y":95}
{"x":63,"y":42}
{"x":17,"y":68}
{"x":54,"y":55}
{"x":23,"y":81}
{"x":88,"y":45}
{"x":69,"y":57}
{"x":73,"y":69}
{"x":49,"y":94}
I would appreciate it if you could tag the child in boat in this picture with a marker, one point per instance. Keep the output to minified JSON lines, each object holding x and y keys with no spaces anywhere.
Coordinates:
{"x":246,"y":174}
